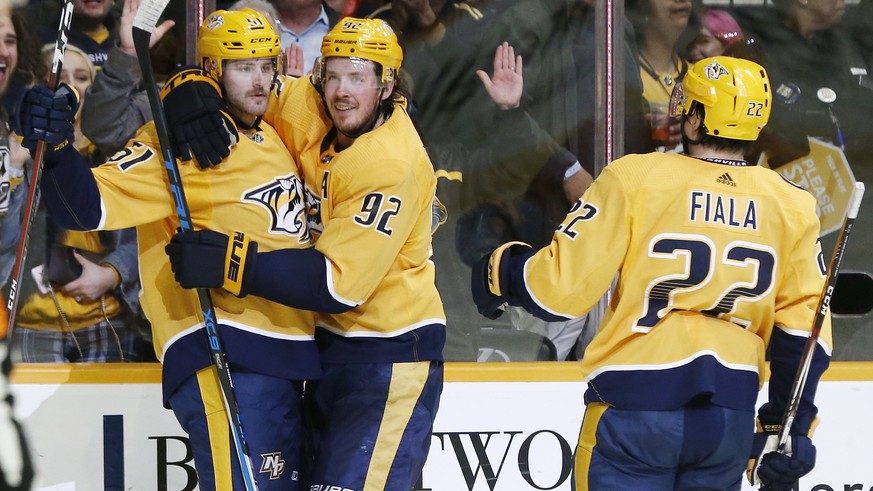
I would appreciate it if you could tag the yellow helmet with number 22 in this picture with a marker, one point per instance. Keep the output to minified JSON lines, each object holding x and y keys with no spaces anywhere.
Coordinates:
{"x":235,"y":35}
{"x":735,"y":92}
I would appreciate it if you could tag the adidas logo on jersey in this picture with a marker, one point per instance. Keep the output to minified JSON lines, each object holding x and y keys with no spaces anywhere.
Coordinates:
{"x":726,"y":179}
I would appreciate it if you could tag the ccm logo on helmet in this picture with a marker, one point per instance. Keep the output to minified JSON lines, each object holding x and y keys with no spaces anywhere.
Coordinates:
{"x":261,"y":40}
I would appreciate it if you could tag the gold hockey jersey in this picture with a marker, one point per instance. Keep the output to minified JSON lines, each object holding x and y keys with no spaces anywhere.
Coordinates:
{"x":711,"y":256}
{"x":369,"y":211}
{"x":257,"y":189}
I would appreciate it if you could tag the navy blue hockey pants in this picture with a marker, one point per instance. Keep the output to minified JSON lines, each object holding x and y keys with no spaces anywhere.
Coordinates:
{"x":698,"y":447}
{"x":271,"y":413}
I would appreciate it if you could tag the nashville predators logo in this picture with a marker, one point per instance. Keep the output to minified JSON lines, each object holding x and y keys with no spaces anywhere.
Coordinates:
{"x":714,"y":71}
{"x":272,"y":463}
{"x":215,"y":22}
{"x":284,"y":199}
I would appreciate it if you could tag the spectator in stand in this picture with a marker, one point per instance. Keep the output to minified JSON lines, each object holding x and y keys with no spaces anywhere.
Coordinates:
{"x":20,"y":55}
{"x":302,"y":25}
{"x":19,"y":52}
{"x":517,"y":153}
{"x":660,"y":26}
{"x":718,"y":31}
{"x":81,"y":301}
{"x":117,"y":104}
{"x":542,"y":31}
{"x":531,"y":217}
{"x":804,"y":49}
{"x":417,"y":20}
{"x":637,"y":130}
{"x":94,"y":28}
{"x":79,"y":73}
{"x":444,"y":50}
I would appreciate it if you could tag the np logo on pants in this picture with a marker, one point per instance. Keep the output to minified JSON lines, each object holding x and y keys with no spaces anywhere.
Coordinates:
{"x":273,"y":464}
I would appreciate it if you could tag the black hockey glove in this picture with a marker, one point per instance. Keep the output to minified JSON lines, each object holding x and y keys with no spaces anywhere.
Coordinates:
{"x":774,"y":471}
{"x":199,"y":127}
{"x":47,"y":115}
{"x":208,"y":259}
{"x":490,"y":279}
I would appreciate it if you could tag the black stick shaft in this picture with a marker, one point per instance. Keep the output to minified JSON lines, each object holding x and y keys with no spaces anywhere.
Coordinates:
{"x":143,"y":27}
{"x":823,"y":305}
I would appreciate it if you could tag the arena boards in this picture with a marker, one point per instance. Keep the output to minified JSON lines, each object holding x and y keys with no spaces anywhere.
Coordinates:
{"x":501,"y":427}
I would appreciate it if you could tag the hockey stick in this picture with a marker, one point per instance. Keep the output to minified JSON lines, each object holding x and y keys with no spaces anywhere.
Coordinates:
{"x":143,"y":25}
{"x":823,"y":305}
{"x":32,"y":202}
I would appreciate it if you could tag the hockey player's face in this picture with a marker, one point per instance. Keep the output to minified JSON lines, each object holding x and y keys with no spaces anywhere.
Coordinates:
{"x":8,"y":52}
{"x":247,"y":87}
{"x":352,"y":93}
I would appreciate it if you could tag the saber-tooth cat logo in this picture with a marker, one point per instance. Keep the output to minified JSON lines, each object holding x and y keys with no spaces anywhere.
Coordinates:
{"x":283,"y":197}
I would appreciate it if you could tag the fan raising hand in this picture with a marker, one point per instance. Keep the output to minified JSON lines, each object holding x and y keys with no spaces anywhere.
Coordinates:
{"x":506,"y":84}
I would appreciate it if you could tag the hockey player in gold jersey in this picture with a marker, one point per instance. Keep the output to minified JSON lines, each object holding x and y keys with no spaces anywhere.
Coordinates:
{"x":381,"y":327}
{"x":270,"y":348}
{"x":717,"y":259}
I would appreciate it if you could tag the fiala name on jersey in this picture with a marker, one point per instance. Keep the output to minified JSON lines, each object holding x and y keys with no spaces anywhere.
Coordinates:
{"x":732,"y":211}
{"x":283,"y":197}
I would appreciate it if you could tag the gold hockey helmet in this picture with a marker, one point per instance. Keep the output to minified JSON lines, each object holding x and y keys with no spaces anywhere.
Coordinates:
{"x":367,"y":39}
{"x":735,"y":92}
{"x":235,"y":35}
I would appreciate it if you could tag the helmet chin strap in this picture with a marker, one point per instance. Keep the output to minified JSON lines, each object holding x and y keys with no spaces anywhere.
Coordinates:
{"x":686,"y":140}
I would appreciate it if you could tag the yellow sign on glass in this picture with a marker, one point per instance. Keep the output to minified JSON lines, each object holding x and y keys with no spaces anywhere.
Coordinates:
{"x":826,"y":174}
